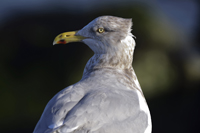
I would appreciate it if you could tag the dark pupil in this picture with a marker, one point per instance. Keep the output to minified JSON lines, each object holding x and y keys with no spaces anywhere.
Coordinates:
{"x":100,"y":30}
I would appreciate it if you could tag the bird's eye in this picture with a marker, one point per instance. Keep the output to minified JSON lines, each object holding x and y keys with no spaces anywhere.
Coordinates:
{"x":100,"y":30}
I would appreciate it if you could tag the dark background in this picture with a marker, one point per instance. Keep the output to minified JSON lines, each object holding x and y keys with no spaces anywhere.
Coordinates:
{"x":166,"y":58}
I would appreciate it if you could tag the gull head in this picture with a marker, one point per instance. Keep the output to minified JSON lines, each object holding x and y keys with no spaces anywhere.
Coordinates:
{"x":104,"y":35}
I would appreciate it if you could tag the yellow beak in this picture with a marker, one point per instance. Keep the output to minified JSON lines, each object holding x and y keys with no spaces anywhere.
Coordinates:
{"x":67,"y":37}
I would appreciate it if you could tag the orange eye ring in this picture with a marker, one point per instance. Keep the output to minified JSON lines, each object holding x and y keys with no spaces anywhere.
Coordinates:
{"x":100,"y":30}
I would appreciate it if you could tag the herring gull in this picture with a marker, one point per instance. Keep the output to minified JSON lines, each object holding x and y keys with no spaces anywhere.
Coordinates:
{"x":108,"y":98}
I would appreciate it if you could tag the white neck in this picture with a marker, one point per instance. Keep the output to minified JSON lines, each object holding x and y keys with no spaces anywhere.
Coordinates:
{"x":121,"y":59}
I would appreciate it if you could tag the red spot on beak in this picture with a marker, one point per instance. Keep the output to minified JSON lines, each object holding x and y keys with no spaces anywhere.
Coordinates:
{"x":62,"y":42}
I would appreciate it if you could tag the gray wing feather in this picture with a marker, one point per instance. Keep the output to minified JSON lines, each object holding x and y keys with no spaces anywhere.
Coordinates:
{"x":89,"y":107}
{"x":57,"y":108}
{"x":104,"y":112}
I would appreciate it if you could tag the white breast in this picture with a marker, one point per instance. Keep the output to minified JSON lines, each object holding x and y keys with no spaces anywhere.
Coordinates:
{"x":144,"y":107}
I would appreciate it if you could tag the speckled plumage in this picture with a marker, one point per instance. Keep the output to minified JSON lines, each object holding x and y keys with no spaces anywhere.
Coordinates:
{"x":108,"y":98}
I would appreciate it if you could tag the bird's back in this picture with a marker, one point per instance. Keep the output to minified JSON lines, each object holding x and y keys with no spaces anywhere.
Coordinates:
{"x":95,"y":107}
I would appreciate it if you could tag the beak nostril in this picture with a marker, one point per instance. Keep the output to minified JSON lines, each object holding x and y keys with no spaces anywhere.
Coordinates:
{"x":60,"y":36}
{"x":67,"y":35}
